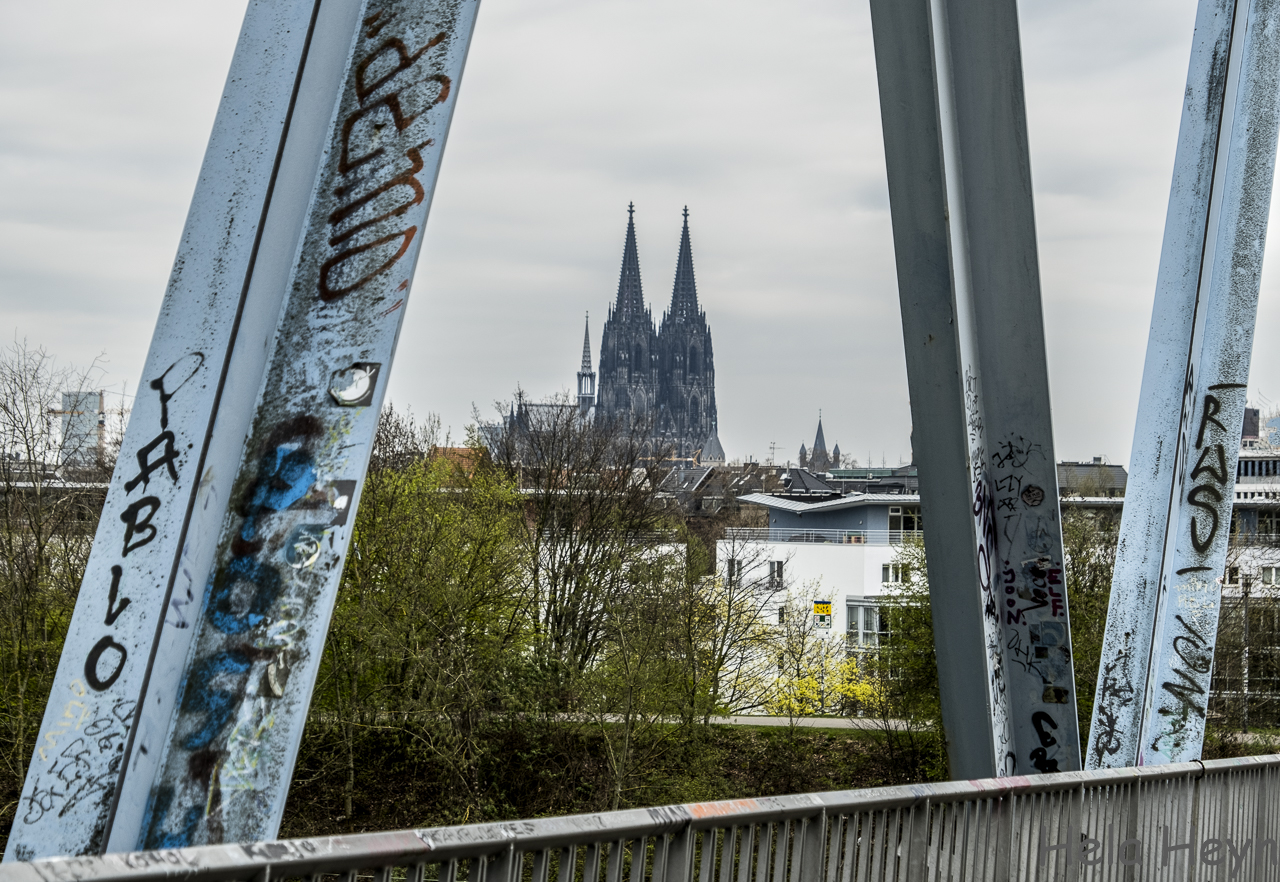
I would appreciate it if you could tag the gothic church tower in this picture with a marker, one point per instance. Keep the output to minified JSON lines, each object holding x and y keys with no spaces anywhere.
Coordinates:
{"x":687,"y":392}
{"x":666,"y":376}
{"x":628,"y":345}
{"x":586,"y":376}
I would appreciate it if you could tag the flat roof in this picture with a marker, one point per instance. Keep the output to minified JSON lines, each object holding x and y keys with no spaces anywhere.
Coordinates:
{"x":853,"y":500}
{"x":856,"y":500}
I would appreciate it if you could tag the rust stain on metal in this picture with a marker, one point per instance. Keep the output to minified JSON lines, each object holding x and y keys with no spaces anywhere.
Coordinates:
{"x":727,"y":807}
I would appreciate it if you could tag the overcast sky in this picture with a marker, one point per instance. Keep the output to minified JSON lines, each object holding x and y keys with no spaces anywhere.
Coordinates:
{"x":761,"y":117}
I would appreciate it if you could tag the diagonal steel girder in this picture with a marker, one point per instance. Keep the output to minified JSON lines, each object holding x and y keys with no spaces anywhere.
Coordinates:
{"x":955,"y":136}
{"x":187,"y":672}
{"x":1157,"y":655}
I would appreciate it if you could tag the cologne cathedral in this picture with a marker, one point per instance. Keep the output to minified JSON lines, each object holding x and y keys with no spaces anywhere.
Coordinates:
{"x":665,"y":376}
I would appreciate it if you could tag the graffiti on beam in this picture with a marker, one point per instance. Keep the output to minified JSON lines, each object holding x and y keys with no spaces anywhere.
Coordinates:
{"x":244,"y":659}
{"x":77,"y":758}
{"x":1115,"y":695}
{"x":261,"y":616}
{"x":1209,"y":477}
{"x":984,"y":517}
{"x":1195,"y":586}
{"x":374,"y":186}
{"x":1032,"y":601}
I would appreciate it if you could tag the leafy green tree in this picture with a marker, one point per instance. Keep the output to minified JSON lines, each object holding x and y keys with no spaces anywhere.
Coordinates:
{"x":1089,"y":547}
{"x":427,"y":637}
{"x":907,"y":701}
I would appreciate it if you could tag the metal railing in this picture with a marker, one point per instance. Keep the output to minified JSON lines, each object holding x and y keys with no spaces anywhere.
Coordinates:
{"x":1219,"y":819}
{"x":837,"y":537}
{"x":1249,"y":538}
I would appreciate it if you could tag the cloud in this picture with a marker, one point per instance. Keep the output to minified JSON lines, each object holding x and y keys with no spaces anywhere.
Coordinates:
{"x":762,"y":118}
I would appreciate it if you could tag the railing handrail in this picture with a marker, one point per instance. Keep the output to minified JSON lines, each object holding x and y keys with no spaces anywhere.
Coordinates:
{"x":335,"y":854}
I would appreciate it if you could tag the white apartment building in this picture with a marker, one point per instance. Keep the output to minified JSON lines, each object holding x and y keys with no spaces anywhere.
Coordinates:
{"x":840,"y":550}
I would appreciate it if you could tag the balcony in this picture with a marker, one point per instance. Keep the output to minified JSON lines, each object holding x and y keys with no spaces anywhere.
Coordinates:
{"x":823,"y":537}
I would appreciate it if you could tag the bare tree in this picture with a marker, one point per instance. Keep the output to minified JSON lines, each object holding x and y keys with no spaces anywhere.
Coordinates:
{"x":633,"y":688}
{"x":810,"y":662}
{"x":732,"y":639}
{"x":590,"y":517}
{"x":53,"y":475}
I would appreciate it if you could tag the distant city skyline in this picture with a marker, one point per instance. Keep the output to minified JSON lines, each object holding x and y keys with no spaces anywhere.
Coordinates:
{"x":572,"y":108}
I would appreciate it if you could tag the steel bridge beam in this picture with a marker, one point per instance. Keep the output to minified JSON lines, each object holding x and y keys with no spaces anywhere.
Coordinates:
{"x":1157,"y":657}
{"x":955,"y":135}
{"x":187,"y":671}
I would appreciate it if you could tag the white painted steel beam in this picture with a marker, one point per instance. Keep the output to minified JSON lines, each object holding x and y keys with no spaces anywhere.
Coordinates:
{"x":184,"y":685}
{"x":951,"y":97}
{"x":1153,"y":682}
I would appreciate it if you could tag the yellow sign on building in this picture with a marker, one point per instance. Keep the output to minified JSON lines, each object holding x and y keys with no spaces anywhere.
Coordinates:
{"x":822,"y":614}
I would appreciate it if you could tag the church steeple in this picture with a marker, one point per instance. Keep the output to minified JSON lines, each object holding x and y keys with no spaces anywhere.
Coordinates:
{"x":630,"y":301}
{"x":586,"y":376}
{"x":628,"y":344}
{"x":819,"y":459}
{"x":586,"y":345}
{"x":684,"y":294}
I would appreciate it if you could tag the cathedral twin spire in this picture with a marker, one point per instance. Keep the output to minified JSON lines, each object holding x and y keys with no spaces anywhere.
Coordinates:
{"x":630,"y":301}
{"x":684,"y":294}
{"x":666,"y":376}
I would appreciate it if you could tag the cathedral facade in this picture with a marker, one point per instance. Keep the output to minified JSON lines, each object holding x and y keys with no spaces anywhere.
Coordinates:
{"x":665,"y":376}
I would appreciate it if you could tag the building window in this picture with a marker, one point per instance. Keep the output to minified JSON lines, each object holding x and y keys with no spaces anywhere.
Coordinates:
{"x":866,"y":626}
{"x":904,"y":519}
{"x":895,"y":574}
{"x":775,"y":574}
{"x":733,"y":570}
{"x":1269,"y":522}
{"x":1232,"y":576}
{"x":1270,"y":576}
{"x":782,"y":620}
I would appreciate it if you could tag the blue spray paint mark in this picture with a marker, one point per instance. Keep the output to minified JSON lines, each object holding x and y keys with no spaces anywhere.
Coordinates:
{"x":217,"y":705}
{"x":240,"y":597}
{"x":267,"y":587}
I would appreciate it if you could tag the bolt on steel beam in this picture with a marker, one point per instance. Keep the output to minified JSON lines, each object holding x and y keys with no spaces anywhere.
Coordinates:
{"x":955,"y":133}
{"x":1157,"y":655}
{"x":187,"y":671}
